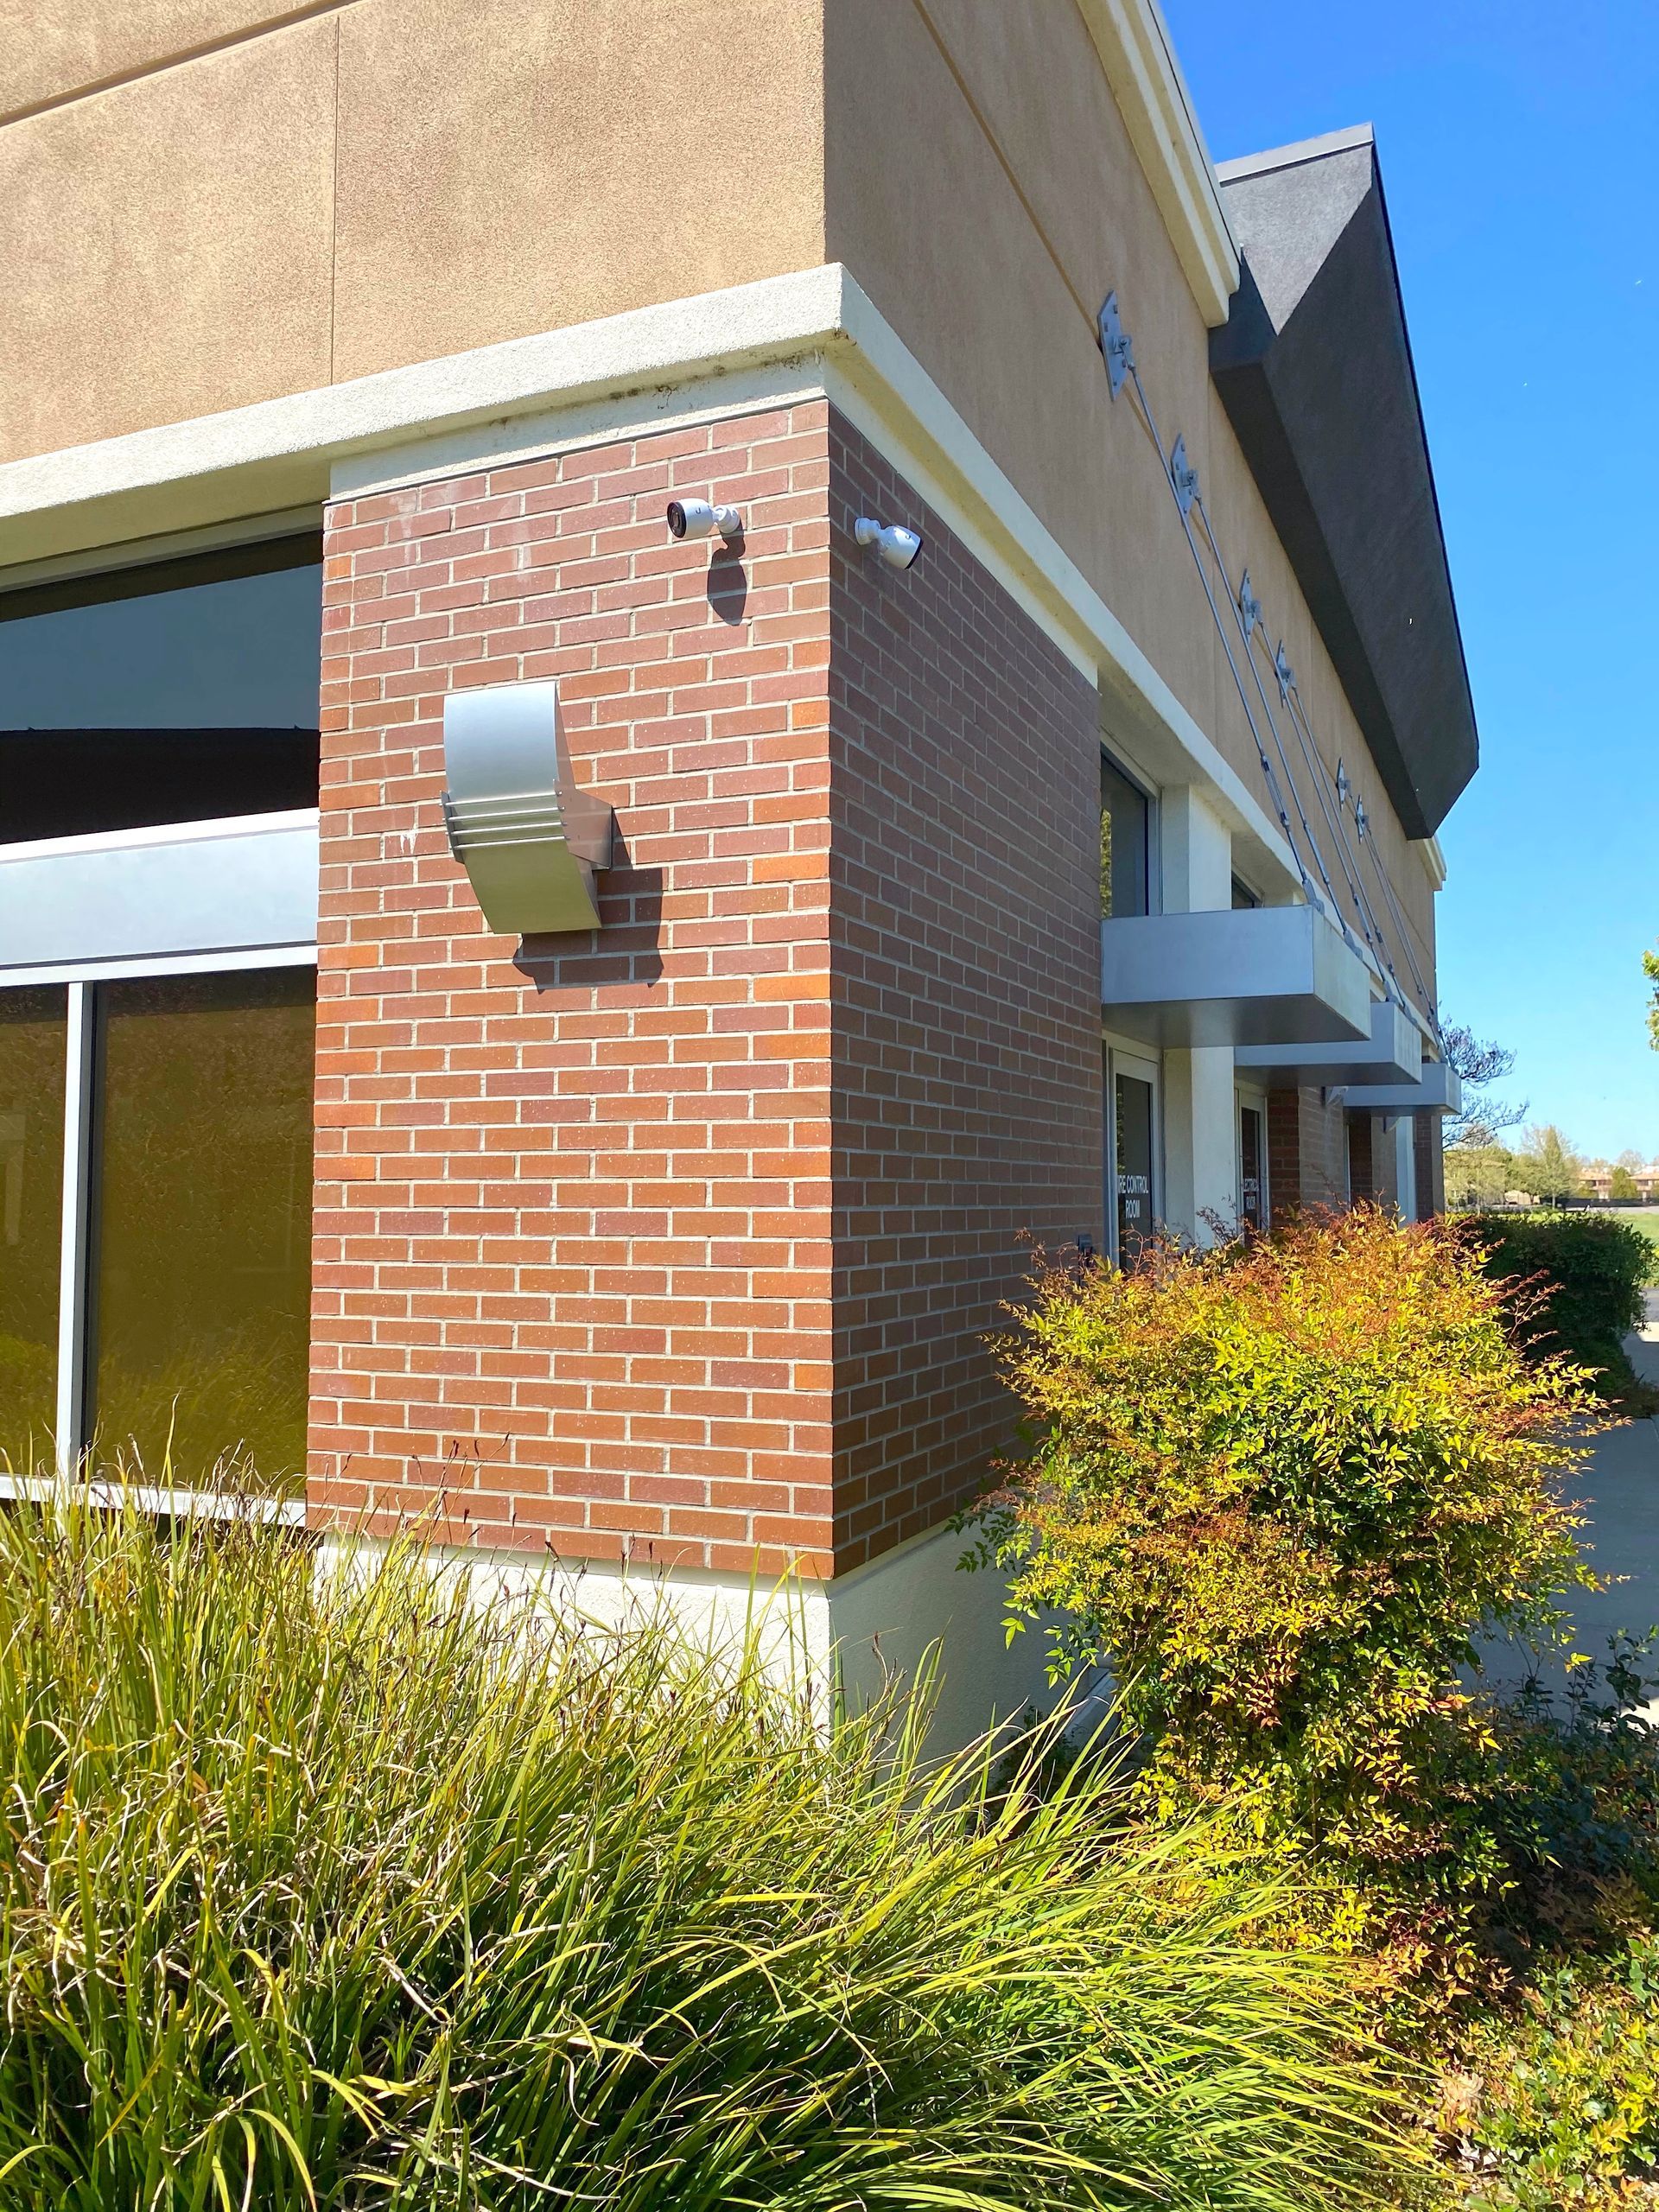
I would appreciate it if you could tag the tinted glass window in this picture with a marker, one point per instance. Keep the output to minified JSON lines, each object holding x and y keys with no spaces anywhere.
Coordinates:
{"x":1252,"y":1166}
{"x":1243,"y":897}
{"x":1134,"y":1123}
{"x":202,"y":1223}
{"x":175,"y":692}
{"x":33,"y":1040}
{"x":1125,"y":821}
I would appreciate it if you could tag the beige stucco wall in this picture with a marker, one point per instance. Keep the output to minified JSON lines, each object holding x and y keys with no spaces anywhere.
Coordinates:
{"x":56,"y":50}
{"x":982,"y":186}
{"x":255,"y":208}
{"x":205,"y":203}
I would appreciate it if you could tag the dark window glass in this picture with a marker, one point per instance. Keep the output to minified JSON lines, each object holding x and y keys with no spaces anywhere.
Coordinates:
{"x":1133,"y":1101}
{"x":1125,"y":820}
{"x":1243,"y":897}
{"x":202,"y":1266}
{"x":33,"y":1040}
{"x":1252,"y":1163}
{"x":175,"y":692}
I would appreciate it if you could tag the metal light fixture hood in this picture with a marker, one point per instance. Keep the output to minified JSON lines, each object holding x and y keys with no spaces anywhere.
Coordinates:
{"x":530,"y":840}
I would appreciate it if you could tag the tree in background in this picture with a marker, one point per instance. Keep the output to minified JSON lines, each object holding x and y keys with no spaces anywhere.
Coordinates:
{"x":1650,"y":970}
{"x":1479,"y":1062}
{"x":1479,"y":1175}
{"x":1546,"y":1165}
{"x":1621,"y":1183}
{"x":1478,"y":1169}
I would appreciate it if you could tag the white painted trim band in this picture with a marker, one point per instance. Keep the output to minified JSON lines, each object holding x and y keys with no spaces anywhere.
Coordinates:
{"x":816,"y":327}
{"x":236,"y":962}
{"x":162,"y":833}
{"x":292,"y":441}
{"x":152,"y":1497}
{"x":1138,"y":58}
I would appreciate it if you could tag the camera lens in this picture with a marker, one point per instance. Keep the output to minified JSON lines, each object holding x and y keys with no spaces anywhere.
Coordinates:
{"x":676,"y":519}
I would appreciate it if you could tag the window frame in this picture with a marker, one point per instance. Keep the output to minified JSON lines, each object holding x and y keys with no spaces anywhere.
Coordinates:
{"x":82,"y":980}
{"x":239,"y":545}
{"x":1248,"y":1098}
{"x":1123,"y":1055}
{"x":245,"y":547}
{"x":1127,"y":773}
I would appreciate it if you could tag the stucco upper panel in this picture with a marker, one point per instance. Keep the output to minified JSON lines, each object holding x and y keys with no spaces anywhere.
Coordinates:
{"x":983,"y":186}
{"x":168,"y":245}
{"x":51,"y":50}
{"x":510,"y":165}
{"x":385,"y":182}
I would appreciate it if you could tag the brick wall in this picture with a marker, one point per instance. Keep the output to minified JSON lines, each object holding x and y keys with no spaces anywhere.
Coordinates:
{"x":1429,"y":1157}
{"x":965,"y":937}
{"x":1373,"y":1160}
{"x":1364,"y":1163}
{"x":683,"y":1238}
{"x":572,"y":1258}
{"x":1307,"y":1151}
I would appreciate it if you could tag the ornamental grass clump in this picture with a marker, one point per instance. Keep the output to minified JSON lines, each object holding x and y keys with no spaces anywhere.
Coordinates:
{"x":1277,"y":1489}
{"x":324,"y":1887}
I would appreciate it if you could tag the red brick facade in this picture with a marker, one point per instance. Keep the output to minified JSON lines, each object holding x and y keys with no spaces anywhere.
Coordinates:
{"x":572,"y":1256}
{"x":1429,"y":1155}
{"x":1312,"y":1143}
{"x":1307,"y":1159}
{"x":682,"y":1238}
{"x":965,"y":958}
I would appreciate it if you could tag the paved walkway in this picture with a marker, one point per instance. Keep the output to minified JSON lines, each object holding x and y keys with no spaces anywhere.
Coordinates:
{"x":1620,"y":1486}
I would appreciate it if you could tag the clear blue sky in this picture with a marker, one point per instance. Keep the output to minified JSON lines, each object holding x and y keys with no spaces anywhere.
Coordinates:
{"x":1519,"y":147}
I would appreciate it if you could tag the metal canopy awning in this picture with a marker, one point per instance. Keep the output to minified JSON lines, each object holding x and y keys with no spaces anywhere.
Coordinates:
{"x":1392,"y":1053}
{"x":1252,"y":976}
{"x":1439,"y":1091}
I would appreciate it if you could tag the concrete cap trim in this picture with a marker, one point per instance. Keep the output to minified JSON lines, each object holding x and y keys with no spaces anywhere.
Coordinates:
{"x":1138,"y":56}
{"x":812,"y":330}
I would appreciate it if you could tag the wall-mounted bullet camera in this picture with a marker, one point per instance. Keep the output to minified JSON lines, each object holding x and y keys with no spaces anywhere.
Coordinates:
{"x":698,"y":519}
{"x":896,"y":545}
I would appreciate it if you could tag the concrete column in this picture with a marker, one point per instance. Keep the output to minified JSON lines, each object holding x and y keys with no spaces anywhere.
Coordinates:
{"x":1200,"y":1166}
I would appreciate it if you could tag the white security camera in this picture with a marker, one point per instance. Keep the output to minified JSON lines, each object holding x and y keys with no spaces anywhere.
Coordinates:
{"x":896,"y":545}
{"x":698,"y":519}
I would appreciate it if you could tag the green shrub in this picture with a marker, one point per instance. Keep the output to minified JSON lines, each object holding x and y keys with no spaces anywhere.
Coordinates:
{"x":1574,"y":1798}
{"x":1591,"y":1271}
{"x":1277,"y":1489}
{"x":1554,"y":2102}
{"x":1550,"y":2093}
{"x":320,"y":1888}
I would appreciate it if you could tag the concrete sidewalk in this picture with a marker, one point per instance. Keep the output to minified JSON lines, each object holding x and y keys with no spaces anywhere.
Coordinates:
{"x":1620,"y":1487}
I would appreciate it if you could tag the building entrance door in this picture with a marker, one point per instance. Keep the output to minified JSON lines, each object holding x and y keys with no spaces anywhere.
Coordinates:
{"x":1134,"y":1154}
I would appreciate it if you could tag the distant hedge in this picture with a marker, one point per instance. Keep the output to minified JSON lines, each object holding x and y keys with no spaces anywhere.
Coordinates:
{"x":1595,"y":1269}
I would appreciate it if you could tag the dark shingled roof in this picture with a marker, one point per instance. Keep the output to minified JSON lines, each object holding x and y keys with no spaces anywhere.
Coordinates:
{"x":1313,"y":365}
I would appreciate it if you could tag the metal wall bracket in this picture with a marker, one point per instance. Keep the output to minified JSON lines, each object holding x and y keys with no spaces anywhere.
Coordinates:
{"x":1286,"y":674}
{"x":528,"y":838}
{"x":1115,"y":343}
{"x":1250,"y":606}
{"x":1183,"y":476}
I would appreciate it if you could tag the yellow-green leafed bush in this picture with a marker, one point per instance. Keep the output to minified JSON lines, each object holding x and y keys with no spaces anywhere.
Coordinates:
{"x":320,"y":1889}
{"x":1555,"y":2103}
{"x":1275,"y":1489}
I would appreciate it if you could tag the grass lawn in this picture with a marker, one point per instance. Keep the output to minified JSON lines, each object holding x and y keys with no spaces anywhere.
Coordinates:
{"x":1645,"y":1218}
